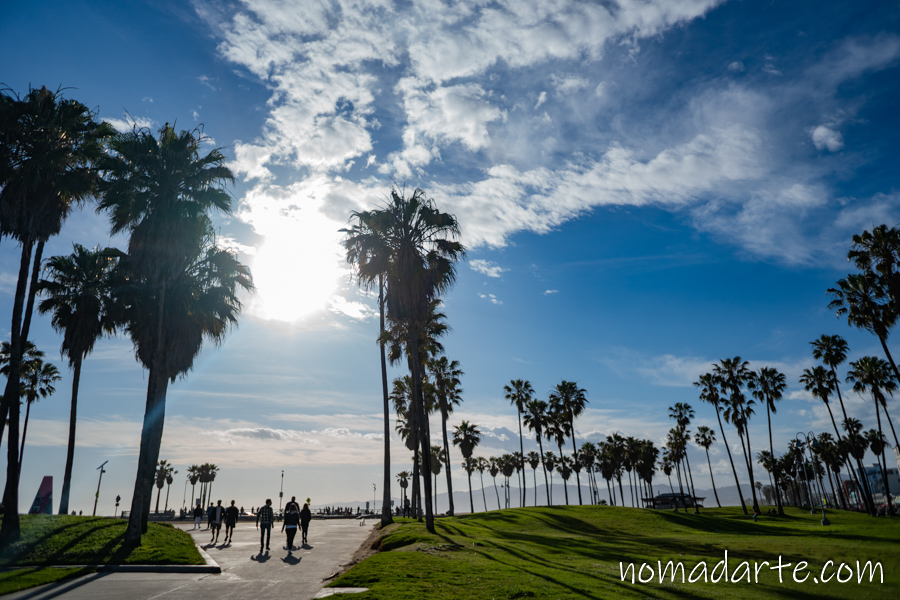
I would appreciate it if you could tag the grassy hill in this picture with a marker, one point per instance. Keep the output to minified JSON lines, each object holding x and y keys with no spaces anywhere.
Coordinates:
{"x":581,"y":552}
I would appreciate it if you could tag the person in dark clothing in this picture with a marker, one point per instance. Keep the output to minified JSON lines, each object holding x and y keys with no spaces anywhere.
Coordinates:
{"x":291,"y":521}
{"x":265,"y":516}
{"x":198,"y":516}
{"x":305,"y":518}
{"x":218,"y":515}
{"x":209,"y":515}
{"x":231,"y":517}
{"x":292,"y":504}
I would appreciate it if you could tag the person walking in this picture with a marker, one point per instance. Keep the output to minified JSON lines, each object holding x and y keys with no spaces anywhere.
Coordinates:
{"x":265,"y":516}
{"x":209,"y":513}
{"x":305,"y":518}
{"x":291,"y":521}
{"x":231,"y":517}
{"x":292,"y":503}
{"x":198,"y":516}
{"x":218,"y":515}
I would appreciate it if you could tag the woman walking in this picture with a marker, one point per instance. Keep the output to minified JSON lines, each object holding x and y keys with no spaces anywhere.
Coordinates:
{"x":305,"y":518}
{"x":291,"y":521}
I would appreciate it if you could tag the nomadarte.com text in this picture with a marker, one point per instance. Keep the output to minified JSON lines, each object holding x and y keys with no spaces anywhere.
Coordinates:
{"x":749,"y":572}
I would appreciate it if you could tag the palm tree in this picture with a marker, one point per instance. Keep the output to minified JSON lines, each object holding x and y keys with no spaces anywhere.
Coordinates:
{"x":858,"y":447}
{"x":446,"y":381}
{"x":859,"y":297}
{"x":733,"y":375}
{"x":587,"y":455}
{"x":160,"y":190}
{"x":164,"y":471}
{"x":534,"y":459}
{"x":877,"y":444}
{"x":38,"y":378}
{"x":494,"y":469}
{"x":683,"y":415}
{"x":769,"y":386}
{"x":193,"y":475}
{"x":878,"y":253}
{"x":79,"y":291}
{"x":709,"y":393}
{"x":872,"y":374}
{"x":49,"y":147}
{"x":607,"y":468}
{"x":519,"y":393}
{"x":403,"y":480}
{"x":367,"y":249}
{"x":557,"y":429}
{"x":617,"y":448}
{"x":535,"y":419}
{"x":437,"y":459}
{"x":550,"y":462}
{"x":419,"y":243}
{"x":481,"y":465}
{"x":508,"y":464}
{"x":467,"y":436}
{"x":570,"y":400}
{"x":705,"y":437}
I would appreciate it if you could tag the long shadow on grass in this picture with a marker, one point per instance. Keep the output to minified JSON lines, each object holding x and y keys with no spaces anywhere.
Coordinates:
{"x":13,"y":553}
{"x":54,"y":590}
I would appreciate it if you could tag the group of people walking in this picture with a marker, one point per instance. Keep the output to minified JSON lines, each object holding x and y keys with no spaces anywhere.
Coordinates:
{"x":295,"y":518}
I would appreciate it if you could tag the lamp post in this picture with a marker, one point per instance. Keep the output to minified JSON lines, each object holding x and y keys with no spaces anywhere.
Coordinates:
{"x":281,"y":493}
{"x":118,"y":499}
{"x":374,"y":496}
{"x":810,"y":440}
{"x":97,"y":495}
{"x":184,"y":495}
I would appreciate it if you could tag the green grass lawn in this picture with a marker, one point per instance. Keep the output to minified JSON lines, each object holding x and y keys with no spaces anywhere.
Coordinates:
{"x":69,"y":540}
{"x":575,"y":552}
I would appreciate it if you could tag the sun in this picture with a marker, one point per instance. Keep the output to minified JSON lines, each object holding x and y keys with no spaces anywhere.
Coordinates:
{"x":298,"y":267}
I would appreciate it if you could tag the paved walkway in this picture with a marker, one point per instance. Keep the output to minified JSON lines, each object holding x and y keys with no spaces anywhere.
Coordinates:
{"x":246,"y":574}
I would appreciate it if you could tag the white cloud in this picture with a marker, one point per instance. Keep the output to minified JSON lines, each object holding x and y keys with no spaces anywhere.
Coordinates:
{"x":490,"y":297}
{"x":549,"y":292}
{"x":486,"y":267}
{"x":568,"y":84}
{"x":825,"y":137}
{"x":354,"y":310}
{"x":542,"y":97}
{"x":129,"y":122}
{"x":736,"y":66}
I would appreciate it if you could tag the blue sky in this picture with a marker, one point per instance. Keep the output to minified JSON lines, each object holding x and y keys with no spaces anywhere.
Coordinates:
{"x":644,"y":188}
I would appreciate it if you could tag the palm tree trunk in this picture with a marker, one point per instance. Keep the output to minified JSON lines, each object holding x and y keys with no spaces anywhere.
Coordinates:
{"x":691,"y":479}
{"x":749,"y":466}
{"x":775,"y":462}
{"x":28,"y":404}
{"x":839,"y":439}
{"x":534,"y":481}
{"x":731,"y":460}
{"x":9,"y":530}
{"x":450,"y":510}
{"x":883,"y":463}
{"x":471,"y":501}
{"x":417,"y":497}
{"x":521,"y":453}
{"x":575,"y":456}
{"x":422,"y":420}
{"x":386,"y":518}
{"x":890,"y":358}
{"x":499,"y":506}
{"x":156,"y":508}
{"x":70,"y":451}
{"x":544,"y":467}
{"x":483,"y":496}
{"x":715,"y":493}
{"x":891,"y":423}
{"x":870,"y":506}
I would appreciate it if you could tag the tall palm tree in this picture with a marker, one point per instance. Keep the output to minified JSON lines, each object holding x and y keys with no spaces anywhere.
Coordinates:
{"x":550,"y":463}
{"x":871,"y":374}
{"x":446,"y":384}
{"x":534,"y":459}
{"x":877,"y":444}
{"x":467,"y":436}
{"x":164,"y":471}
{"x":709,"y":393}
{"x":403,"y":480}
{"x":160,"y":190}
{"x":494,"y":469}
{"x":587,"y":456}
{"x":832,"y":351}
{"x":193,"y":476}
{"x":683,"y":415}
{"x":734,"y":375}
{"x":79,"y":291}
{"x":617,"y":447}
{"x":535,"y":419}
{"x":421,"y":249}
{"x":570,"y":400}
{"x":48,"y":147}
{"x":705,"y":437}
{"x":878,"y":252}
{"x":369,"y":252}
{"x":519,"y":393}
{"x":482,"y":464}
{"x":557,"y":429}
{"x":769,"y":386}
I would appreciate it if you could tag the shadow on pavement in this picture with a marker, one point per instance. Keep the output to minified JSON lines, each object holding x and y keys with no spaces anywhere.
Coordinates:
{"x":291,"y":559}
{"x":261,"y":557}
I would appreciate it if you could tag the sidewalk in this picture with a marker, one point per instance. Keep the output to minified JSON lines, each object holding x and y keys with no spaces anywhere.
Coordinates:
{"x":246,"y":574}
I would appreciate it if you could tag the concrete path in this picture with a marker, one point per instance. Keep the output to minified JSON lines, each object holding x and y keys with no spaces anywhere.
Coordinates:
{"x":246,"y":574}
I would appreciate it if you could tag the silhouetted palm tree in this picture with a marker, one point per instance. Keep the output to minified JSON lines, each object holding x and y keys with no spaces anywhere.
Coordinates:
{"x":534,"y":460}
{"x":683,"y":415}
{"x":164,"y":471}
{"x":769,"y":386}
{"x":570,"y":400}
{"x":184,"y":288}
{"x":705,"y":437}
{"x":467,"y":436}
{"x":446,"y":384}
{"x":519,"y":393}
{"x":733,"y":375}
{"x":79,"y":290}
{"x":37,"y":382}
{"x":48,"y":147}
{"x":709,"y":393}
{"x":535,"y":419}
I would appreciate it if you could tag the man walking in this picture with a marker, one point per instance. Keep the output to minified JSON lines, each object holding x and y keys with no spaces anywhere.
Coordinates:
{"x":218,"y":514}
{"x":231,"y":517}
{"x":198,"y":517}
{"x":265,"y":516}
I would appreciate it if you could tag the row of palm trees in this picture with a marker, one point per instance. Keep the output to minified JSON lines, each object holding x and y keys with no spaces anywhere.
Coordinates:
{"x":169,"y":290}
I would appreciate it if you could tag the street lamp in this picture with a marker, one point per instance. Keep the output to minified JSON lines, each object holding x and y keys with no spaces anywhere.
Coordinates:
{"x":118,"y":499}
{"x":97,"y":495}
{"x":281,"y":493}
{"x":810,"y":440}
{"x":374,"y":496}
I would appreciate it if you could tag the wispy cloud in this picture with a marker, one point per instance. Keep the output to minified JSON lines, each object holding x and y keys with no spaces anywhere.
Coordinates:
{"x":486,"y":267}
